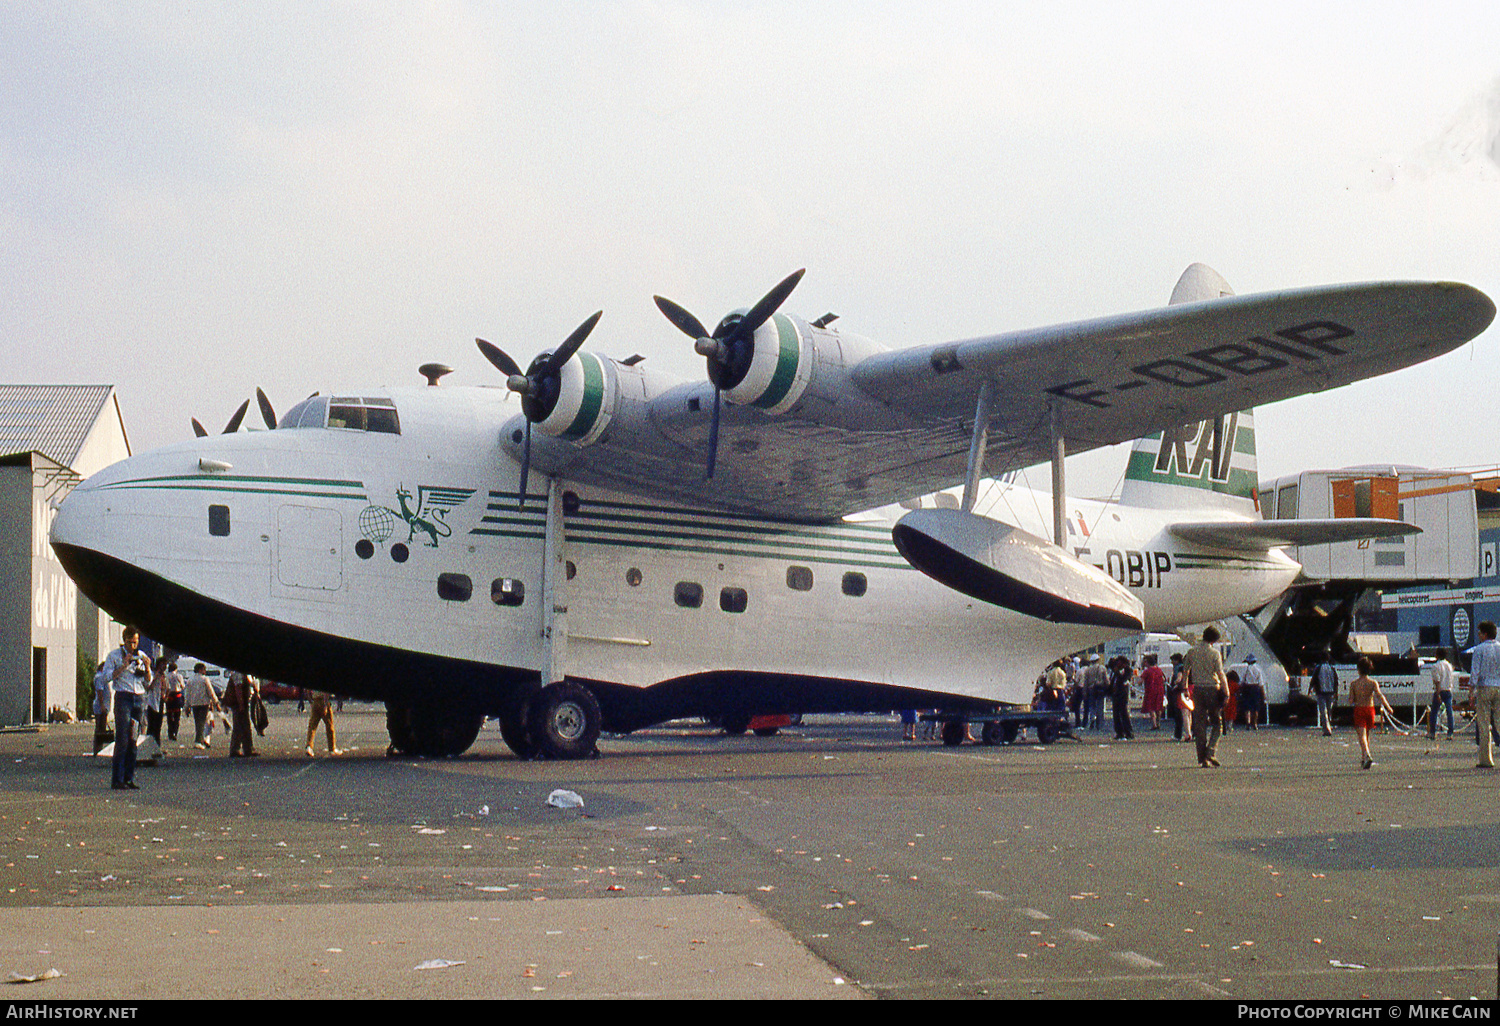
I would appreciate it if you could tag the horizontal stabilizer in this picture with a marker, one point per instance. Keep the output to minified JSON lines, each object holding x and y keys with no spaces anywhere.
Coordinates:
{"x":1259,"y":535}
{"x":1005,"y":566}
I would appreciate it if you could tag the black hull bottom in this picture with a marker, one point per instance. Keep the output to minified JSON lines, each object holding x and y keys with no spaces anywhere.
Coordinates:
{"x":272,"y":650}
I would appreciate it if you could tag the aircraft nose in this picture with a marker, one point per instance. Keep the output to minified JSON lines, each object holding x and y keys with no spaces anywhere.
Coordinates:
{"x":69,"y":518}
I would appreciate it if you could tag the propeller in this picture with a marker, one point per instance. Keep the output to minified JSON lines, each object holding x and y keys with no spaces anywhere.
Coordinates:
{"x":267,"y":413}
{"x":230,"y":428}
{"x":540,"y":385}
{"x":731,"y":346}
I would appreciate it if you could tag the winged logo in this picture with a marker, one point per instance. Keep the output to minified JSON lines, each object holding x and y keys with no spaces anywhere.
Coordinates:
{"x":429,"y":514}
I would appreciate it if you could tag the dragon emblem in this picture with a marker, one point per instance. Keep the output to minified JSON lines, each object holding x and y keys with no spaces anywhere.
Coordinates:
{"x":429,"y":514}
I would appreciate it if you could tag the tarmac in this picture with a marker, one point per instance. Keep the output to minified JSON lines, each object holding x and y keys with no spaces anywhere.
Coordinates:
{"x":833,"y":861}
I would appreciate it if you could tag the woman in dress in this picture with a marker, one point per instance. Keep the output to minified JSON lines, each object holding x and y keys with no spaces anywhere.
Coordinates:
{"x":1154,"y":683}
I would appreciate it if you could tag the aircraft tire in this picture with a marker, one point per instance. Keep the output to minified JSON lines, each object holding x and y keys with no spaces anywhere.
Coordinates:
{"x":398,"y":726}
{"x":564,"y":721}
{"x":736,"y":723}
{"x":515,"y":726}
{"x":767,"y":731}
{"x":432,"y":733}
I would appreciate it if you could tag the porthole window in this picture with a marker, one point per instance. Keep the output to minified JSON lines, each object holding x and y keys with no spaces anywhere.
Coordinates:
{"x":733,"y":600}
{"x":572,"y":570}
{"x":855,"y":584}
{"x":799,"y":578}
{"x":455,"y":587}
{"x":399,"y":552}
{"x":507,"y":591}
{"x":633,"y":577}
{"x":364,"y":548}
{"x":688,"y":595}
{"x":218,"y":521}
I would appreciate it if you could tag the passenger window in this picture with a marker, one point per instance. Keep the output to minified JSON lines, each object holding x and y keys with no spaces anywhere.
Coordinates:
{"x":799,"y":578}
{"x":688,"y":595}
{"x":733,"y":600}
{"x":507,"y":591}
{"x":855,"y":584}
{"x":455,"y":587}
{"x":218,"y":521}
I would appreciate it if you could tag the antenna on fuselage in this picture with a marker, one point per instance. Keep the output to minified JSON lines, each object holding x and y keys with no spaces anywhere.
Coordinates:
{"x":433,"y":372}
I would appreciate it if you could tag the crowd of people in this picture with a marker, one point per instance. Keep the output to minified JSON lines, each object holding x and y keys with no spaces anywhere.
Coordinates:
{"x":1203,"y":701}
{"x":1082,"y":687}
{"x":140,"y":696}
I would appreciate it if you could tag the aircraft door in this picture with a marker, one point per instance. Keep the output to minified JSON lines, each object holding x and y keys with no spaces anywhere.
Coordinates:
{"x":309,"y":548}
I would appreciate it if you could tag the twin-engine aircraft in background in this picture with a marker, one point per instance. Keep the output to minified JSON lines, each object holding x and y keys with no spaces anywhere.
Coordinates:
{"x":627,"y":548}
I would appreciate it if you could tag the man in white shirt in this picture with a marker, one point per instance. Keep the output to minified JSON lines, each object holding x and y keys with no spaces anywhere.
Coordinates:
{"x":128,"y":671}
{"x":1442,"y":693}
{"x":1484,"y":678}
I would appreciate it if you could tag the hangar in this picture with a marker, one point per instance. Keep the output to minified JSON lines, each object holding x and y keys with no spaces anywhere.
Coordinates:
{"x":51,"y":437}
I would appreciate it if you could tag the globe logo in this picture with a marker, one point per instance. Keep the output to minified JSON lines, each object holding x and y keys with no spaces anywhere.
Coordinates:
{"x":376,"y":523}
{"x":1461,"y":626}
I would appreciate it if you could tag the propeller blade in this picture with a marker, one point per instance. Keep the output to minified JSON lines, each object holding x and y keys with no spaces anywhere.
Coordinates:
{"x":199,"y":429}
{"x":684,"y":321}
{"x":239,"y":415}
{"x":713,"y":436}
{"x":503,"y":363}
{"x":770,"y":303}
{"x":267,"y":411}
{"x":563,"y":353}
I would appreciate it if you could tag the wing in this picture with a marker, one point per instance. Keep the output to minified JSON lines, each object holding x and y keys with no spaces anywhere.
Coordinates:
{"x":1259,"y":535}
{"x":874,"y":426}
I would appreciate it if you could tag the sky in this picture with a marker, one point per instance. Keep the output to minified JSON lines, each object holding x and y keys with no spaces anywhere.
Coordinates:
{"x":200,"y":198}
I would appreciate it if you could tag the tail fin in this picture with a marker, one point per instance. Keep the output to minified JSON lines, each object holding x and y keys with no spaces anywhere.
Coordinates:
{"x":1208,"y":465}
{"x":1183,"y":467}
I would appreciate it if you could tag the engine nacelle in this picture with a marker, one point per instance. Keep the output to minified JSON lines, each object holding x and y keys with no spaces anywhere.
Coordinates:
{"x":780,"y":369}
{"x":587,"y":395}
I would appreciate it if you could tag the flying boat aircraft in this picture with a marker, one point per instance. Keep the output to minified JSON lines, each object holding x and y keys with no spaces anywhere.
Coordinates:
{"x":627,"y":547}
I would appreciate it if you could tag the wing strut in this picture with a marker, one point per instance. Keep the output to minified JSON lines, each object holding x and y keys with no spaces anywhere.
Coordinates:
{"x":554,"y":590}
{"x":977,"y":444}
{"x":1059,"y":480}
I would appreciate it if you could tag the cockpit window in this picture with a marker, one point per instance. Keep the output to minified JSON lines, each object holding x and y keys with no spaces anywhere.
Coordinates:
{"x":352,"y":413}
{"x":310,"y":412}
{"x":363,"y":414}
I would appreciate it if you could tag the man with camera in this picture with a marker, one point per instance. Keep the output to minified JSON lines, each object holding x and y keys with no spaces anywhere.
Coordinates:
{"x":128,"y":671}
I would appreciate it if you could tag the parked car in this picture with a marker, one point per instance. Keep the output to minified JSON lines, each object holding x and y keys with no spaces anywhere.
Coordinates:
{"x":274,"y":692}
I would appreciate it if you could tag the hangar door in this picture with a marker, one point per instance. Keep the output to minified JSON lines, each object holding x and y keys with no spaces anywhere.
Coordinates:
{"x":309,"y":548}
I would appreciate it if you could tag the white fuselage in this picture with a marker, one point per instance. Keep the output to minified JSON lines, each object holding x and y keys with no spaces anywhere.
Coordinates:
{"x":412,"y":543}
